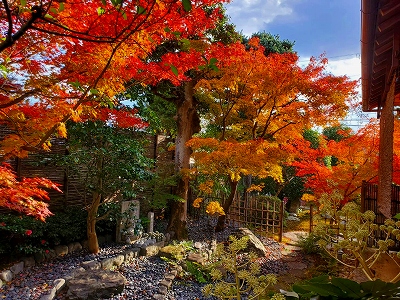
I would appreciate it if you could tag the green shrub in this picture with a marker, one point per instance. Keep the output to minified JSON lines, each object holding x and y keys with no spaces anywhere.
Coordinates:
{"x":325,"y":287}
{"x":309,"y":244}
{"x":24,"y":235}
{"x":235,"y":277}
{"x":66,"y":226}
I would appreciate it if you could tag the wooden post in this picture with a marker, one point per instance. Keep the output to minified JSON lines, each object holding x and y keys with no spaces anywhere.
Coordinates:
{"x":150,"y":226}
{"x":281,"y":222}
{"x":386,"y":153}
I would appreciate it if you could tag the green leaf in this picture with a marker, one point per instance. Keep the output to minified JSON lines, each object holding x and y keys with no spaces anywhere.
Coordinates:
{"x":100,"y":11}
{"x":124,"y":15}
{"x":187,"y":5}
{"x":213,"y":61}
{"x":176,"y":33}
{"x":141,"y":10}
{"x":94,"y":91}
{"x":166,"y":29}
{"x":75,"y":84}
{"x":47,"y":16}
{"x":23,"y":3}
{"x":397,"y":216}
{"x":104,"y":2}
{"x":214,"y":68}
{"x":61,"y":7}
{"x":174,"y":70}
{"x":349,"y":287}
{"x":53,"y":10}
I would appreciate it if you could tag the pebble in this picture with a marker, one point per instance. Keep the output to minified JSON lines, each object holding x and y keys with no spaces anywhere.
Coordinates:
{"x":143,"y":274}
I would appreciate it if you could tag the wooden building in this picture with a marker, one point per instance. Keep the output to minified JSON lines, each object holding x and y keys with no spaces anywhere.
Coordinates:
{"x":380,"y":41}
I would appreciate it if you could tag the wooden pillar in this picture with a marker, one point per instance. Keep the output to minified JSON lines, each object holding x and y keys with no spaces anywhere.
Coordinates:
{"x":386,"y":153}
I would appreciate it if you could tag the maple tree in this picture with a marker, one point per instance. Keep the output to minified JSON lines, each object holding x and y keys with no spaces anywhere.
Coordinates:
{"x":194,"y":58}
{"x":355,"y":160}
{"x":270,"y":99}
{"x":231,"y":160}
{"x":25,"y":196}
{"x":55,"y":66}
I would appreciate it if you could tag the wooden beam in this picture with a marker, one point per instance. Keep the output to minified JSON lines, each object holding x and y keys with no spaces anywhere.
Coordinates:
{"x":390,"y":9}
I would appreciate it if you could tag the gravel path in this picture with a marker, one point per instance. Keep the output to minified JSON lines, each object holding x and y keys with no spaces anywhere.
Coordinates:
{"x":143,"y":274}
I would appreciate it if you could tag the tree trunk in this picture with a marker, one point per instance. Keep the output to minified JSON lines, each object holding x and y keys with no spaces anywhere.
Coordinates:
{"x":188,"y":123}
{"x":227,"y":204}
{"x":93,"y":243}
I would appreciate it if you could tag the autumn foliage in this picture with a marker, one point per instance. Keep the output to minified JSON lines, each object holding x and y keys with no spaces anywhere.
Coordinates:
{"x":25,"y":196}
{"x":63,"y":61}
{"x":356,"y":160}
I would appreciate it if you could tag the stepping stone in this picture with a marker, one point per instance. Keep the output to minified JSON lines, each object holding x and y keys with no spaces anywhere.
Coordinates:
{"x":95,"y":284}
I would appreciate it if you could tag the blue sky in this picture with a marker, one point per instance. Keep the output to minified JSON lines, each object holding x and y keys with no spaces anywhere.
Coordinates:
{"x":316,"y":26}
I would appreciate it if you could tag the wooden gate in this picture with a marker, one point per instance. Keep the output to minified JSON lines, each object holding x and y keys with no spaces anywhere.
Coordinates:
{"x":263,"y":214}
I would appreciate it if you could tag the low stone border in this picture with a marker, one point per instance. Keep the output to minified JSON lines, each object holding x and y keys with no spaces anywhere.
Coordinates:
{"x":148,"y":247}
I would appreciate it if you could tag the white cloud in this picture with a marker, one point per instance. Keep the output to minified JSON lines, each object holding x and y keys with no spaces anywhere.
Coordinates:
{"x":250,"y":16}
{"x":350,"y":67}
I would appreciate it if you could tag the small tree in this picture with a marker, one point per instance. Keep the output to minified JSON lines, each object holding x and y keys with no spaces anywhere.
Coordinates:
{"x":245,"y":271}
{"x":113,"y":162}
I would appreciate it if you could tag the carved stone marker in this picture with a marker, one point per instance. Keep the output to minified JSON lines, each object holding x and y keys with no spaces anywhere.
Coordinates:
{"x":130,"y":211}
{"x":150,"y":226}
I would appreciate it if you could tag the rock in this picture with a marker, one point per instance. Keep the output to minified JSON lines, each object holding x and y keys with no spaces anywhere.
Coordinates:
{"x":91,"y":265}
{"x":6,"y":275}
{"x":293,"y":218}
{"x":169,"y":276}
{"x":29,"y":261}
{"x":254,"y":244}
{"x":74,"y":273}
{"x":119,"y":259}
{"x":61,"y":250}
{"x":151,"y":250}
{"x":49,"y":296}
{"x":39,"y":257}
{"x":198,"y":245}
{"x":95,"y":284}
{"x":1,"y":283}
{"x":166,"y":283}
{"x":163,"y":290}
{"x":159,"y":297}
{"x":195,"y":257}
{"x":130,"y":254}
{"x":17,"y":268}
{"x":59,"y":284}
{"x":73,"y":247}
{"x":109,"y":263}
{"x":50,"y":254}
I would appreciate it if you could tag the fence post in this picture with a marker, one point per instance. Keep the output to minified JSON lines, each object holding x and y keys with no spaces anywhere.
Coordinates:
{"x":311,"y":217}
{"x":281,"y":222}
{"x":363,"y":186}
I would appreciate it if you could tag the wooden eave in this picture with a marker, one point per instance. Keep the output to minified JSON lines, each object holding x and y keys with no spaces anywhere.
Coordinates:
{"x":380,"y":41}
